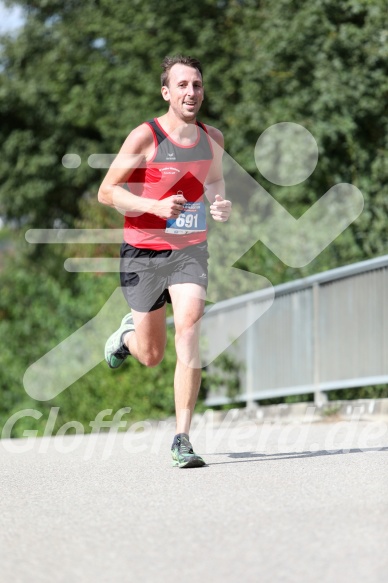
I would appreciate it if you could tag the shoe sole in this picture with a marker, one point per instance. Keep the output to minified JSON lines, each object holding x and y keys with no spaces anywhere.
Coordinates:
{"x":113,"y":367}
{"x":194,"y":463}
{"x":107,"y":353}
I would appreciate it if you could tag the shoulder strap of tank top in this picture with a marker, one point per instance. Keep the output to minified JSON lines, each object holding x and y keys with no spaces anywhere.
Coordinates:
{"x":160,"y":135}
{"x":202,"y":126}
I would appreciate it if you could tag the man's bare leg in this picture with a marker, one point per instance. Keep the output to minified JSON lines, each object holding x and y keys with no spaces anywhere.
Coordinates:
{"x":148,"y":341}
{"x":188,"y":302}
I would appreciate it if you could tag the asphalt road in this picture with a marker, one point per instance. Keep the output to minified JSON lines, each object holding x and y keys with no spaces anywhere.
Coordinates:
{"x":292,"y":503}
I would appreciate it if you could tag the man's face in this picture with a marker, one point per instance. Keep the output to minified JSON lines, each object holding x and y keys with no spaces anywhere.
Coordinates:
{"x":184,"y":91}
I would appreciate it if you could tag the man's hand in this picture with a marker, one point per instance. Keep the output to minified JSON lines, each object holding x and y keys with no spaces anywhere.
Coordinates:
{"x":168,"y":208}
{"x":220,"y":209}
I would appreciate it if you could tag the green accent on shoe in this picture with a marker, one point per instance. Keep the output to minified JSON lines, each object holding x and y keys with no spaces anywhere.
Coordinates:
{"x":115,"y":350}
{"x":183,"y":455}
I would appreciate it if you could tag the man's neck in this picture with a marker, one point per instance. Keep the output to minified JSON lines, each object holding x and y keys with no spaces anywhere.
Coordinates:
{"x":181,"y":131}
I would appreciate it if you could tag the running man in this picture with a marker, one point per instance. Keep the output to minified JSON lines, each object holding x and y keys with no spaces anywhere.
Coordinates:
{"x":158,"y":181}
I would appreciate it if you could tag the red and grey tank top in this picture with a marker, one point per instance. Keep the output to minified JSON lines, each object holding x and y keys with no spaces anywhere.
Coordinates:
{"x":174,"y":169}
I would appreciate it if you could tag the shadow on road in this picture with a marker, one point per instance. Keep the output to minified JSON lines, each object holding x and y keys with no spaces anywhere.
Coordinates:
{"x":251,"y":456}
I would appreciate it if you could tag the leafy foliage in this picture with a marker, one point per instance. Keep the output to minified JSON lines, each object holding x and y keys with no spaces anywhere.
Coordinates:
{"x":80,"y":75}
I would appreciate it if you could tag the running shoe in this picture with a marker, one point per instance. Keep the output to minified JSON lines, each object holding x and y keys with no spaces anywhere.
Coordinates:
{"x":183,"y":455}
{"x":115,"y":349}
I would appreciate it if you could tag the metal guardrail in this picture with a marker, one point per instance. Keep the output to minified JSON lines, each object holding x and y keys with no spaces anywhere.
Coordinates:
{"x":324,"y":332}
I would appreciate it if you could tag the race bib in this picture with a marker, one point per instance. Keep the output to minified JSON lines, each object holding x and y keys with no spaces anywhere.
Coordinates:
{"x":191,"y":220}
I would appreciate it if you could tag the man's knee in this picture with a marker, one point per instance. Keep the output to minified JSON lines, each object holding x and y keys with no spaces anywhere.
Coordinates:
{"x":187,"y":335}
{"x":152,"y":358}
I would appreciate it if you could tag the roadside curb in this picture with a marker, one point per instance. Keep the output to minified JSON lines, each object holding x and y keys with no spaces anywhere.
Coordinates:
{"x":308,"y":412}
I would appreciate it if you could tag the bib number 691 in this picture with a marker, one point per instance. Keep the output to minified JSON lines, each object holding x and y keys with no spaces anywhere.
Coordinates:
{"x":187,"y":221}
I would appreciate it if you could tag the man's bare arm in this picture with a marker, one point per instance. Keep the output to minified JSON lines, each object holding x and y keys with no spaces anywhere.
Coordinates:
{"x":133,"y":154}
{"x":220,"y":208}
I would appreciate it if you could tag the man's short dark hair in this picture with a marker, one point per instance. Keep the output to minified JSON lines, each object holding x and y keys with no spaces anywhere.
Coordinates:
{"x":169,"y":62}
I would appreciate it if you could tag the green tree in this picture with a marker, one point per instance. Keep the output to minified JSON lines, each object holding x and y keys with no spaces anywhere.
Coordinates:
{"x":80,"y":75}
{"x":322,"y":64}
{"x":77,"y":79}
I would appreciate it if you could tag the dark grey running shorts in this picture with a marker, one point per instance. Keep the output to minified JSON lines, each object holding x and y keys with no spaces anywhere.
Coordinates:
{"x":146,"y":274}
